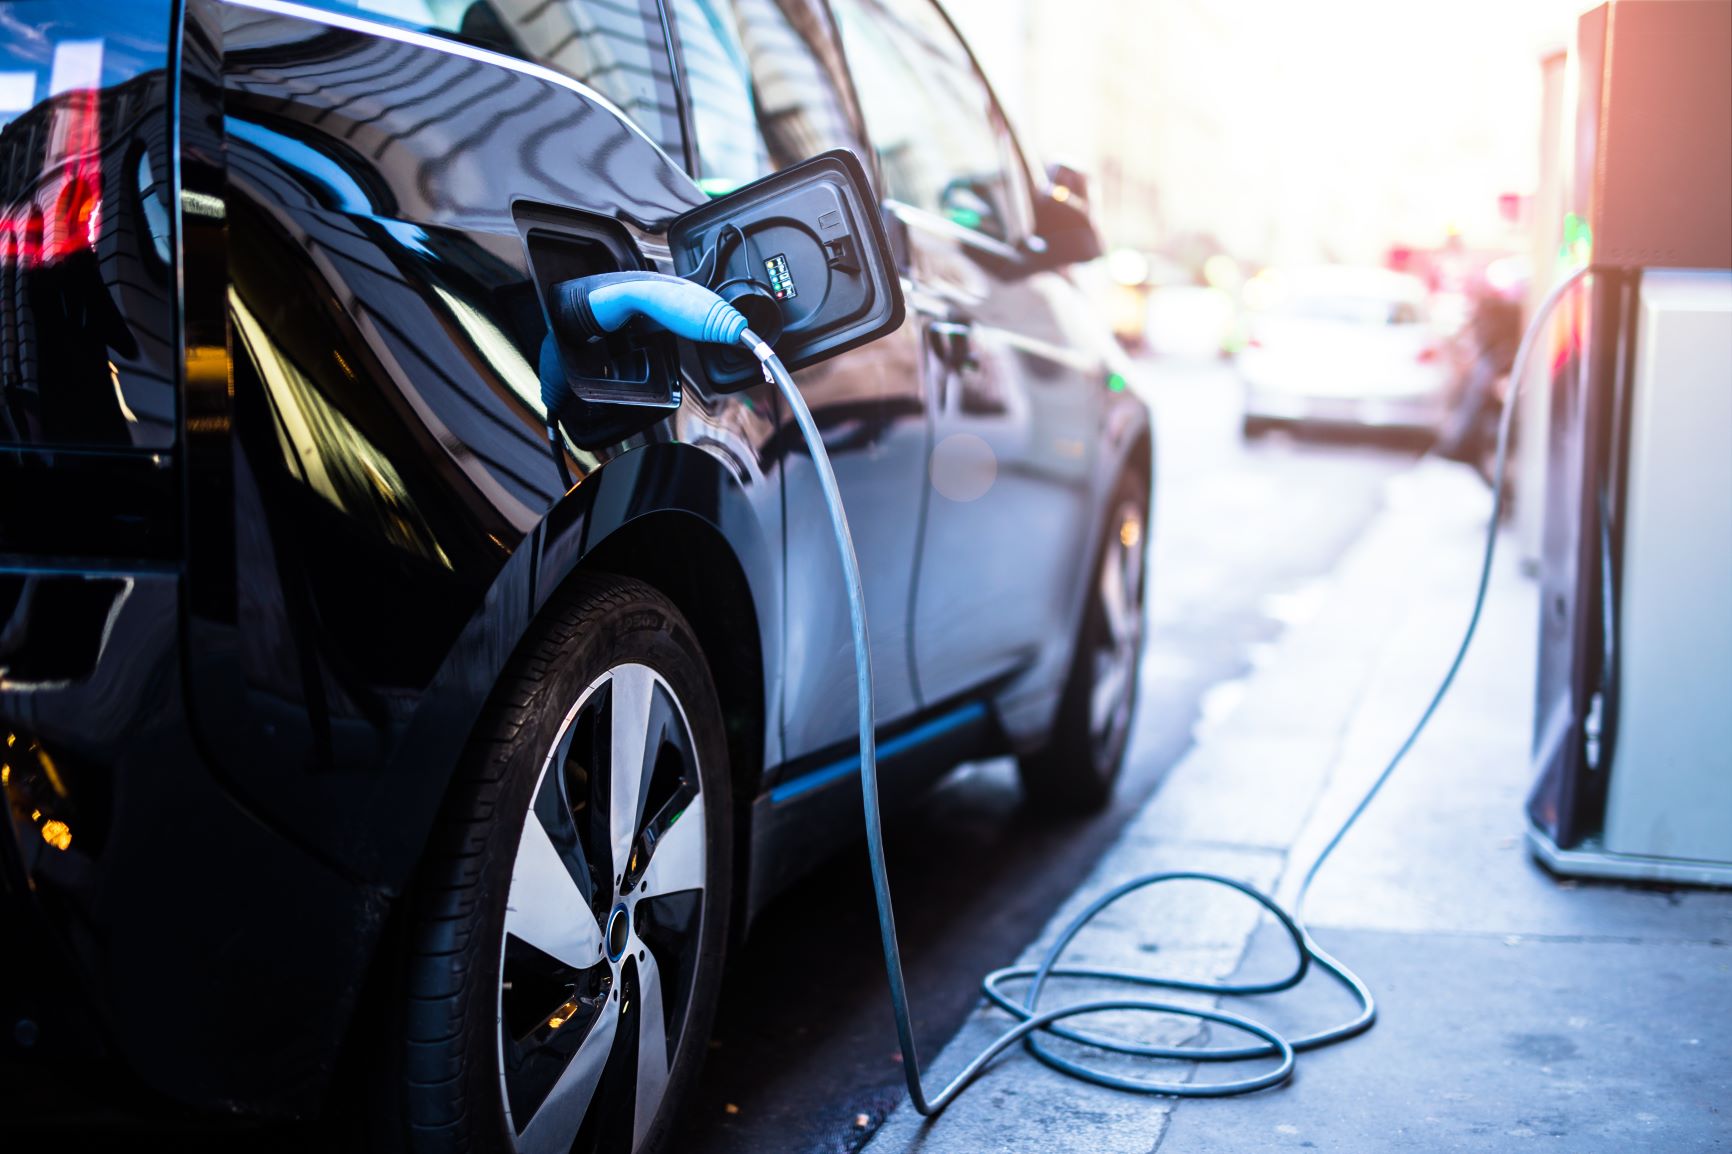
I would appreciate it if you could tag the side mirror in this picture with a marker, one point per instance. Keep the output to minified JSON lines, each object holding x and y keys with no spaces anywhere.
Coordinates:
{"x":969,"y":203}
{"x":803,"y":254}
{"x":1064,"y":229}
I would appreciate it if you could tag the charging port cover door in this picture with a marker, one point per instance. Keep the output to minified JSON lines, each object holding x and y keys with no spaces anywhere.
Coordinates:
{"x":811,"y":239}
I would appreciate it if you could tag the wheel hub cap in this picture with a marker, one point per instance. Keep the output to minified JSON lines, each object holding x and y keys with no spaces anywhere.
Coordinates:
{"x":618,"y":932}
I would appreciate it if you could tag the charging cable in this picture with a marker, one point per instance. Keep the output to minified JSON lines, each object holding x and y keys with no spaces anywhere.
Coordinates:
{"x":698,"y":314}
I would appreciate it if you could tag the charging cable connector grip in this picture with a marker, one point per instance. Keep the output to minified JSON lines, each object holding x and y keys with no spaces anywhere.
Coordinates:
{"x":592,"y":306}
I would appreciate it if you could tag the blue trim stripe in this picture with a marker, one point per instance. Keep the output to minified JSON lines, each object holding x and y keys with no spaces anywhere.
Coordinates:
{"x":849,"y":766}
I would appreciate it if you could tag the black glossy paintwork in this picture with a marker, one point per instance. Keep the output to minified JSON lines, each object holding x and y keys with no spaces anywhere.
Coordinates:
{"x":357,"y":519}
{"x":87,"y":356}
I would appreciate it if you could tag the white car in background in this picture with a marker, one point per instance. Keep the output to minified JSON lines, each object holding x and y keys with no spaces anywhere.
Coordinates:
{"x":1344,"y":347}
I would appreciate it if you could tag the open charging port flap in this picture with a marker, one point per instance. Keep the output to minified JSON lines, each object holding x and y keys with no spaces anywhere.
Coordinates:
{"x":803,"y":254}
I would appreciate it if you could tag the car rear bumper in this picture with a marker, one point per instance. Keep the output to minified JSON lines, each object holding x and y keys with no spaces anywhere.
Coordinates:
{"x":1421,"y":413}
{"x":151,"y":923}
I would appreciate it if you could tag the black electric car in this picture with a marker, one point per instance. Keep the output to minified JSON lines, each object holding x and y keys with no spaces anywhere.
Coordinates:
{"x":382,"y":747}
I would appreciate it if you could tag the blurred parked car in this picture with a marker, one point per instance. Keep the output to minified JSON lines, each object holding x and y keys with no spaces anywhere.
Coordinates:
{"x":1345,"y":347}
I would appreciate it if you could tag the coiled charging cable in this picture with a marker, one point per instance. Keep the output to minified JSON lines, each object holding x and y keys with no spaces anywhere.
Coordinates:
{"x":688,"y":314}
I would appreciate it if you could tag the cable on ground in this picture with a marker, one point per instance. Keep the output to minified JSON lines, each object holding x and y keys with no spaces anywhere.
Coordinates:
{"x":1034,"y":1022}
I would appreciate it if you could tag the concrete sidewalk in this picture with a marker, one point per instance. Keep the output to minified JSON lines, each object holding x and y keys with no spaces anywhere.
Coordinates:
{"x":1515,"y":1009}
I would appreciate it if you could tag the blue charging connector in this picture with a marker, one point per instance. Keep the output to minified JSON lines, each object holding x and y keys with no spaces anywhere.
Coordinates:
{"x":592,"y":306}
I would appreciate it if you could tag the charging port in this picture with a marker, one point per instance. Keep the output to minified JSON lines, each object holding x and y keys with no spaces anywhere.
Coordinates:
{"x":635,"y":367}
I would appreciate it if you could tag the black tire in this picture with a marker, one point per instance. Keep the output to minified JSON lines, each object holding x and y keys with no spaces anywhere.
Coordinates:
{"x":459,"y":1059}
{"x":1077,"y":768}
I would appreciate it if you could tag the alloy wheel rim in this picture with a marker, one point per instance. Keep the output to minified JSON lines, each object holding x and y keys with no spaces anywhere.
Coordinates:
{"x":1119,"y":591}
{"x":603,"y":921}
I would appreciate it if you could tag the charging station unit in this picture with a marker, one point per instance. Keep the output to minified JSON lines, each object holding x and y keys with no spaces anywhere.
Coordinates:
{"x":1633,"y":720}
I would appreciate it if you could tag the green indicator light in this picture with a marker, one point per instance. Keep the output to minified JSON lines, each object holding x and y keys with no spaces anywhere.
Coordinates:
{"x":1116,"y":383}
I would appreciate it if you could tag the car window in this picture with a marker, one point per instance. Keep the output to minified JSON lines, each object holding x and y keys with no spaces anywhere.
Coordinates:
{"x":764,"y":83}
{"x":930,"y":114}
{"x":616,"y":47}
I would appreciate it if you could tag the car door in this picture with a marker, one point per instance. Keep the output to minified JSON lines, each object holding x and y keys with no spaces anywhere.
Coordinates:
{"x":765,"y":91}
{"x":1017,"y":393}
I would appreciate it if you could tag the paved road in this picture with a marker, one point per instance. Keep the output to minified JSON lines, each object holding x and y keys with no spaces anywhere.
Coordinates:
{"x":1516,"y":1010}
{"x":805,"y":1047}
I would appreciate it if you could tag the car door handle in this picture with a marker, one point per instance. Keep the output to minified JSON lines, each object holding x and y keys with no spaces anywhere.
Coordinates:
{"x":952,"y":342}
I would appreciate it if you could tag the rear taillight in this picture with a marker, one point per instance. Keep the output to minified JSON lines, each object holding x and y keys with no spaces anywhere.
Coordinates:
{"x":62,"y":214}
{"x":1428,"y":355}
{"x":77,"y":215}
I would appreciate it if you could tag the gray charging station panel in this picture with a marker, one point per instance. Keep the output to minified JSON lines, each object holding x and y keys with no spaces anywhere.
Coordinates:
{"x":1670,"y":793}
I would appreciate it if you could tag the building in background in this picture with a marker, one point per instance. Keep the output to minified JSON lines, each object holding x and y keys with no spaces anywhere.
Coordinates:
{"x":1283,"y":133}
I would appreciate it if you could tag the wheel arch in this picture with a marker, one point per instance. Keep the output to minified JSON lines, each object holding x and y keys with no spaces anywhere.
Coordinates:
{"x":691,"y":563}
{"x":1140,"y":458}
{"x":670,"y":514}
{"x":1027,"y":708}
{"x":1130,"y":437}
{"x":679,"y":519}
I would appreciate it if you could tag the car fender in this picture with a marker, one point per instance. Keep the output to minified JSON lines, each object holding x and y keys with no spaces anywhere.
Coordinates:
{"x":665,"y":480}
